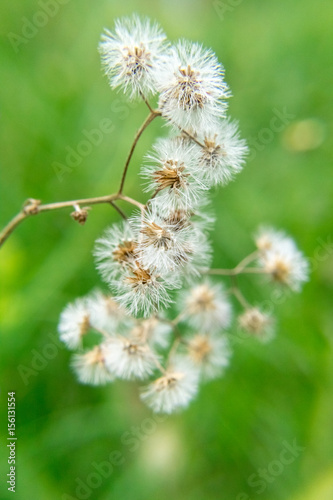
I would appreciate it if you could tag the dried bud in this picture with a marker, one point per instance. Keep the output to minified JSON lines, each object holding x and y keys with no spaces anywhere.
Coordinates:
{"x":80,"y":214}
{"x":30,"y":206}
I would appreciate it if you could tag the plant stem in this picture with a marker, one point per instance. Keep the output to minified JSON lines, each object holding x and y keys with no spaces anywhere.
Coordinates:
{"x":33,"y":207}
{"x":152,"y":115}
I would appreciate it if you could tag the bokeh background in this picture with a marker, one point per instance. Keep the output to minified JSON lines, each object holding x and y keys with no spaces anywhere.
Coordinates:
{"x":278,"y":60}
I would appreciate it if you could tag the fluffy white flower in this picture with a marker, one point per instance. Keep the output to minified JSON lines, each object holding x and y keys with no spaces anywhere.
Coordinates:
{"x":266,"y":237}
{"x":144,"y":291}
{"x":174,"y":390}
{"x":152,"y":331}
{"x":224,"y":153}
{"x":128,"y":360}
{"x":161,"y":244}
{"x":210,"y":353}
{"x":192,"y":88}
{"x":284,"y":263}
{"x":74,"y":323}
{"x":131,"y":54}
{"x":104,"y":312}
{"x":115,"y":251}
{"x":173,"y":175}
{"x":90,"y":367}
{"x":257,"y":323}
{"x":207,"y":307}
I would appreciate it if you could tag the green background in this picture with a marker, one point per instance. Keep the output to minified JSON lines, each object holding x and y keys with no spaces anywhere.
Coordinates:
{"x":278,"y":56}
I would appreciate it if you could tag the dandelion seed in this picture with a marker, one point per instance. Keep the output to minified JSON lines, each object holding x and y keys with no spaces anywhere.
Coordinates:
{"x":90,"y":367}
{"x":131,"y":54}
{"x":191,"y":85}
{"x":174,"y":390}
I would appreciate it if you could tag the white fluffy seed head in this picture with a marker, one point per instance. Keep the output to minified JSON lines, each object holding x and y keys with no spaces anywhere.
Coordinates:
{"x":207,"y":307}
{"x":152,"y":331}
{"x":131,"y":55}
{"x":104,"y":312}
{"x":174,"y":390}
{"x":90,"y":367}
{"x":282,"y":261}
{"x":115,"y":251}
{"x":129,"y":360}
{"x":257,"y":323}
{"x":223,"y":154}
{"x":173,"y":175}
{"x":210,"y":353}
{"x":192,"y":88}
{"x":145,"y":292}
{"x":74,"y":323}
{"x":163,"y":244}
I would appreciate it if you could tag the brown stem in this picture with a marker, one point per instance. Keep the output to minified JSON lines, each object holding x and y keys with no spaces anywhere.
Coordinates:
{"x":153,"y":114}
{"x":119,"y":210}
{"x":33,"y":207}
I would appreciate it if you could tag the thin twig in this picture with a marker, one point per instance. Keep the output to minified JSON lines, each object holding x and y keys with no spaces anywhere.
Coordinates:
{"x":153,"y":114}
{"x":119,"y":210}
{"x":34,"y":207}
{"x":240,"y":297}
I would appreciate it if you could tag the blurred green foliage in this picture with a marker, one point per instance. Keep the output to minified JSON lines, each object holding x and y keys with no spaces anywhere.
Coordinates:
{"x":278,"y":56}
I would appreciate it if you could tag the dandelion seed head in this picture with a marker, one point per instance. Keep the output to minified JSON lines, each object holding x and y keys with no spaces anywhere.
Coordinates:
{"x":131,"y":54}
{"x":191,"y":85}
{"x":90,"y":367}
{"x":129,"y":360}
{"x":174,"y":390}
{"x":74,"y":323}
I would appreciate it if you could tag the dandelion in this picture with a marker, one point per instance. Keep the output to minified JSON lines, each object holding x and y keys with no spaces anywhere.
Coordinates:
{"x":210,"y":353}
{"x":206,"y":306}
{"x":90,"y":367}
{"x":131,"y":55}
{"x":257,"y":323}
{"x":129,"y":360}
{"x":74,"y":323}
{"x":223,"y":154}
{"x":115,"y":251}
{"x":174,"y":390}
{"x":173,"y":175}
{"x":192,"y":88}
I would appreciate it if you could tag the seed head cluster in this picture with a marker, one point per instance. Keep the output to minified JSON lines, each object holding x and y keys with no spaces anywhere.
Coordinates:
{"x":166,"y":320}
